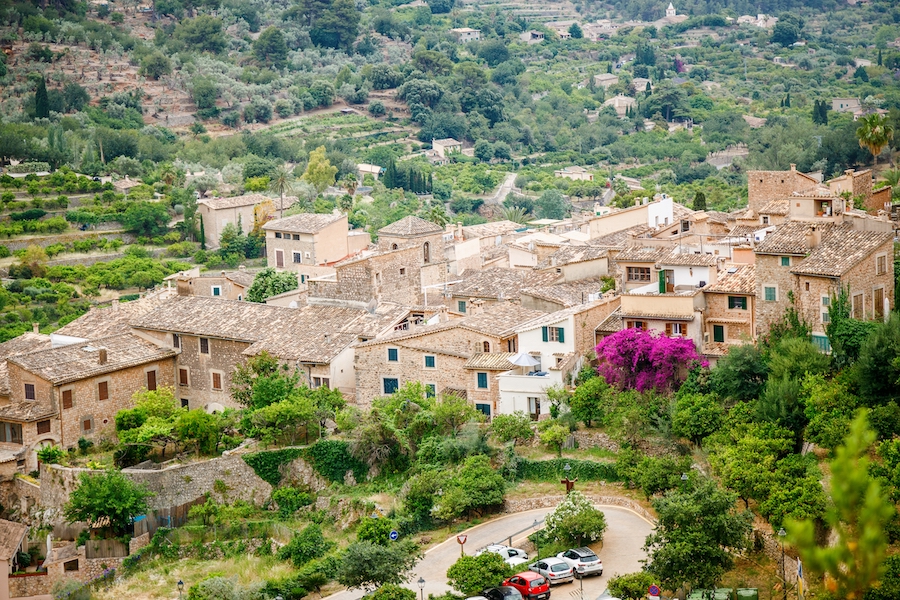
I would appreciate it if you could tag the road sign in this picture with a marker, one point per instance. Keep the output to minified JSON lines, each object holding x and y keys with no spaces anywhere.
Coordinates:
{"x":461,"y":539}
{"x":654,"y":590}
{"x":394,"y":535}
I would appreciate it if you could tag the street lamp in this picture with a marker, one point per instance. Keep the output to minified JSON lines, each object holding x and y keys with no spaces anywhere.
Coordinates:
{"x":781,"y":534}
{"x":421,"y":583}
{"x":580,"y":570}
{"x":537,"y":548}
{"x":180,"y":585}
{"x":684,"y":480}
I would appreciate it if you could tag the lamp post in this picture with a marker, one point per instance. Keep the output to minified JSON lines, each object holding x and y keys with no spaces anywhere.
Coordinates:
{"x":421,"y":583}
{"x":684,"y":480}
{"x":180,"y":585}
{"x":580,"y":571}
{"x":537,"y":548}
{"x":781,"y":534}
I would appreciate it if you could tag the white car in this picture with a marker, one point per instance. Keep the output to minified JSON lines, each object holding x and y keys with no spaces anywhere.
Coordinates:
{"x":583,"y":561}
{"x":554,"y":569}
{"x":511,"y":556}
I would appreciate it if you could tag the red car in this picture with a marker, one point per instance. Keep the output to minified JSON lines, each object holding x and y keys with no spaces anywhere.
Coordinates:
{"x":532,"y":586}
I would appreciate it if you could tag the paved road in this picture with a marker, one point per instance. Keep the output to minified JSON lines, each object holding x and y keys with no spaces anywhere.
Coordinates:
{"x":505,"y":188}
{"x":622,"y":552}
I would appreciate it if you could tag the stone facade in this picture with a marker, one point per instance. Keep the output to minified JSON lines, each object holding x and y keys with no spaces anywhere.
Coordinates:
{"x":288,"y":249}
{"x":389,"y":276}
{"x":738,"y":323}
{"x":29,"y":584}
{"x":771,"y":274}
{"x":763,"y":186}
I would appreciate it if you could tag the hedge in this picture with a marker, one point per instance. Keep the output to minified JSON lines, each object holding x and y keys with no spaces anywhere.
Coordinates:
{"x":330,"y":458}
{"x":268,"y":464}
{"x":554,"y":470}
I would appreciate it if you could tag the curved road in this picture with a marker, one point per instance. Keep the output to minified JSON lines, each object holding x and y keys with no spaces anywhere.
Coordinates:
{"x":621,"y":553}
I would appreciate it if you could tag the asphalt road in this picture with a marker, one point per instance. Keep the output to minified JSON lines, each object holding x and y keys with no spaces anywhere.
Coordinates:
{"x":505,"y":188}
{"x":621,"y":553}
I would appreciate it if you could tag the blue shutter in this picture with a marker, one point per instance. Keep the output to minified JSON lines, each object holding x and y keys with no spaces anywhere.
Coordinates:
{"x":544,"y":334}
{"x":482,"y":381}
{"x":561,"y":334}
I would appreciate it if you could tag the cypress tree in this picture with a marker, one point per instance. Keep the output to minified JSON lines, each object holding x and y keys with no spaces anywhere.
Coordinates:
{"x":879,"y":57}
{"x":390,"y":175}
{"x":787,"y":100}
{"x":41,"y":101}
{"x":699,"y":201}
{"x":202,"y":234}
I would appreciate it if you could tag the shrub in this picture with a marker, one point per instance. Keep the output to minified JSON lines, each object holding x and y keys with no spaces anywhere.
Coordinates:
{"x":290,"y":500}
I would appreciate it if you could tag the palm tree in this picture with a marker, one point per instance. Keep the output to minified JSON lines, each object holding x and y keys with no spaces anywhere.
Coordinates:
{"x":874,"y":133}
{"x":168,"y":175}
{"x":350,"y":183}
{"x":281,"y":184}
{"x":516,"y":214}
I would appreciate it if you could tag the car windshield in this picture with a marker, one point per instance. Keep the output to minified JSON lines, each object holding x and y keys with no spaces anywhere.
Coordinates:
{"x":538,"y":582}
{"x":559,"y":568}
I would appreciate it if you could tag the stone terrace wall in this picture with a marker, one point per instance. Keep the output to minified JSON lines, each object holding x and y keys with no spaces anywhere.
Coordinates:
{"x":173,"y":486}
{"x":523,"y":504}
{"x":29,"y":584}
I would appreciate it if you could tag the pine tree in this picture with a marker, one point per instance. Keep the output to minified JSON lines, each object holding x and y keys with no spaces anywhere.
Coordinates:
{"x":390,"y":175}
{"x":879,"y":57}
{"x":787,"y":100}
{"x":41,"y":101}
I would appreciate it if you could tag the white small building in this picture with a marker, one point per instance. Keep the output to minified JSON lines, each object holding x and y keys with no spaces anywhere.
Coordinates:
{"x":464,"y":35}
{"x":373,"y":170}
{"x":446,"y":146}
{"x":670,"y":10}
{"x":575,"y":173}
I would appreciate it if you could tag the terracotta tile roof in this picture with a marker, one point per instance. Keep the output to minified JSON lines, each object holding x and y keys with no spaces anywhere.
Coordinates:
{"x":491,"y":361}
{"x":716,"y":348}
{"x":571,"y":254}
{"x":612,"y":323}
{"x":727,"y":320}
{"x":688,"y":259}
{"x":776,"y":207}
{"x":303,"y":223}
{"x":817,"y":191}
{"x":679,"y":212}
{"x":246,"y":200}
{"x":103,"y":322}
{"x":214,"y":317}
{"x":567,"y":294}
{"x":490,"y":229}
{"x":26,"y":411}
{"x":498,"y":282}
{"x":79,"y":361}
{"x":647,"y":254}
{"x":410,"y":226}
{"x":737,"y":279}
{"x":716,"y":216}
{"x":316,"y":348}
{"x":23,"y":344}
{"x":11,"y":536}
{"x":242,"y":278}
{"x":744,"y":230}
{"x":619,"y":238}
{"x":843,"y":250}
{"x":790,"y":238}
{"x":556,"y":317}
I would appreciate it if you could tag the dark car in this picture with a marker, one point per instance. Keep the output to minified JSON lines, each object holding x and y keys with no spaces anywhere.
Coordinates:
{"x":531,"y":585}
{"x":504,"y":592}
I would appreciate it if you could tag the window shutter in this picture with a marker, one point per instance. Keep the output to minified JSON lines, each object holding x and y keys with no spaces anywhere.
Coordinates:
{"x":669,"y":329}
{"x":544,"y":334}
{"x":662,"y":281}
{"x":103,"y":390}
{"x":561,"y":334}
{"x":151,"y":380}
{"x":67,"y":398}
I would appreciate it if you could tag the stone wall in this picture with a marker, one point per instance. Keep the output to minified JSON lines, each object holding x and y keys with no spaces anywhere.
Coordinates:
{"x":523,"y":504}
{"x":595,"y":439}
{"x":735,"y":332}
{"x":391,"y":276}
{"x":770,"y":273}
{"x":763,"y":186}
{"x":29,"y":584}
{"x":174,"y":486}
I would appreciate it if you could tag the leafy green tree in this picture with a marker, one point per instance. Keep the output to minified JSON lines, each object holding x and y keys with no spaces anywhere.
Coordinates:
{"x":830,"y":406}
{"x":201,"y":34}
{"x":554,"y":436}
{"x":493,"y":52}
{"x":75,"y":97}
{"x":475,"y":488}
{"x":319,"y":171}
{"x":484,"y":150}
{"x":270,"y":282}
{"x":146,"y":218}
{"x":889,"y":586}
{"x":364,"y":565}
{"x":575,"y":521}
{"x":859,"y":517}
{"x":741,"y":374}
{"x":847,"y":335}
{"x":337,"y":27}
{"x":391,"y":591}
{"x":270,"y":48}
{"x":787,"y":30}
{"x":261,"y":380}
{"x":305,"y":546}
{"x":592,"y":401}
{"x":469,"y":575}
{"x":204,"y":92}
{"x":377,"y":531}
{"x":452,"y":413}
{"x":551,"y":205}
{"x":575,"y":31}
{"x":109,"y":500}
{"x":697,"y":416}
{"x":512,"y":428}
{"x":699,"y":201}
{"x":878,"y":368}
{"x":695,"y":534}
{"x":41,"y":101}
{"x":633,"y":586}
{"x":874,"y":133}
{"x":155,"y":65}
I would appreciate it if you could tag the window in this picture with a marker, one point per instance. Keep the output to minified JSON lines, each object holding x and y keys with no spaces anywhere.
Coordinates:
{"x":426,"y":250}
{"x":217,"y":381}
{"x":880,"y":264}
{"x":785,"y":261}
{"x":279,"y":259}
{"x":298,"y":257}
{"x":303,"y":279}
{"x":103,"y":390}
{"x":770,"y":293}
{"x":307,"y":255}
{"x":321,"y":382}
{"x":718,"y":333}
{"x":430,"y":390}
{"x":461,"y":306}
{"x":216,"y":290}
{"x":67,"y":398}
{"x":151,"y":380}
{"x":826,"y":317}
{"x":316,"y":381}
{"x":638,"y":273}
{"x":487,"y":346}
{"x":403,"y":272}
{"x":534,"y":407}
{"x":393,"y":355}
{"x":71,"y":565}
{"x":43,"y":427}
{"x":685,"y":226}
{"x":511,"y":345}
{"x":553,"y":334}
{"x":204,"y":345}
{"x":821,"y":342}
{"x":87,"y":425}
{"x":295,"y":236}
{"x":326,"y":383}
{"x":429,"y":362}
{"x":636,"y":325}
{"x":858,"y":306}
{"x":482,"y":381}
{"x":277,"y":235}
{"x":484,"y":409}
{"x":676,"y":329}
{"x":29,"y":391}
{"x":183,"y":377}
{"x":185,"y":403}
{"x":739,"y":302}
{"x":765,"y":219}
{"x":807,"y":286}
{"x":390,"y":385}
{"x":826,"y":300}
{"x":176,"y":341}
{"x":377,"y":278}
{"x":878,"y":300}
{"x":11,"y":433}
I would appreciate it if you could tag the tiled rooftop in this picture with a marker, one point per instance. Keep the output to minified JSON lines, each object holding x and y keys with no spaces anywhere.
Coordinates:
{"x":23,"y":344}
{"x":567,"y":293}
{"x":498,"y":282}
{"x":26,"y":411}
{"x":103,"y":322}
{"x":790,"y":238}
{"x":490,"y":229}
{"x":779,"y":207}
{"x":79,"y":361}
{"x":303,"y":223}
{"x":246,"y":200}
{"x":612,"y":323}
{"x":491,"y":361}
{"x":843,"y":250}
{"x":738,"y":279}
{"x":11,"y":536}
{"x":556,"y":317}
{"x":647,"y":254}
{"x":410,"y":226}
{"x":619,"y":238}
{"x":214,"y":317}
{"x":688,"y":259}
{"x":817,"y":191}
{"x":571,"y":254}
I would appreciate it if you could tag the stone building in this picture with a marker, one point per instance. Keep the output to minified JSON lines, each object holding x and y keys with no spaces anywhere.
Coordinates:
{"x":231,"y":285}
{"x":573,"y":263}
{"x":495,"y":285}
{"x":764,"y":186}
{"x":61,"y":394}
{"x":551,"y":298}
{"x":379,"y":276}
{"x":310,"y":240}
{"x":217,"y":213}
{"x":635,"y":266}
{"x":12,"y":538}
{"x":574,"y":173}
{"x":730,"y":310}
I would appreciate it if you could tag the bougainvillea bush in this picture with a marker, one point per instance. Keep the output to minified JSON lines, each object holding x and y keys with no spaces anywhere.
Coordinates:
{"x":643,"y":361}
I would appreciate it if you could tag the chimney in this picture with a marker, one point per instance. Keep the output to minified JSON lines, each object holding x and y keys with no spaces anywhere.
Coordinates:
{"x":476,"y":306}
{"x":101,"y":356}
{"x":793,"y":167}
{"x":115,"y":305}
{"x":848,"y":172}
{"x":459,"y":229}
{"x":442,"y":314}
{"x":813,"y":237}
{"x":36,"y":327}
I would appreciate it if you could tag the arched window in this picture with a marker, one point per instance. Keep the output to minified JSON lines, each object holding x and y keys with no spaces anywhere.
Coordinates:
{"x":427,"y":252}
{"x":487,"y":346}
{"x":393,"y":246}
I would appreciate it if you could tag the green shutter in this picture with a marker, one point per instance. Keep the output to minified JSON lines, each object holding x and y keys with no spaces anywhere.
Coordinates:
{"x":662,"y":281}
{"x":561,"y":334}
{"x":718,"y":333}
{"x":544,"y":334}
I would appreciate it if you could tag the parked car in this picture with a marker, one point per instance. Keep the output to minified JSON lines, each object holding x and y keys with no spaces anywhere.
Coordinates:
{"x":511,"y":556}
{"x":583,"y":558}
{"x":504,"y":592}
{"x":531,"y":585}
{"x":556,"y":570}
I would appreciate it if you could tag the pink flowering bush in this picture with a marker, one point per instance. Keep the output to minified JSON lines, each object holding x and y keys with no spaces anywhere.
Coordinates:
{"x":640,"y":360}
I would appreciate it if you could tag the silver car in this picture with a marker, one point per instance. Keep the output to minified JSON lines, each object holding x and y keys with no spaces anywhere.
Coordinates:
{"x":555,"y":570}
{"x":583,"y":561}
{"x":511,"y":556}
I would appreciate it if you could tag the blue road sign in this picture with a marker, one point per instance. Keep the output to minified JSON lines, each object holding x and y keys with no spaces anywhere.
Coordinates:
{"x":394,"y":535}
